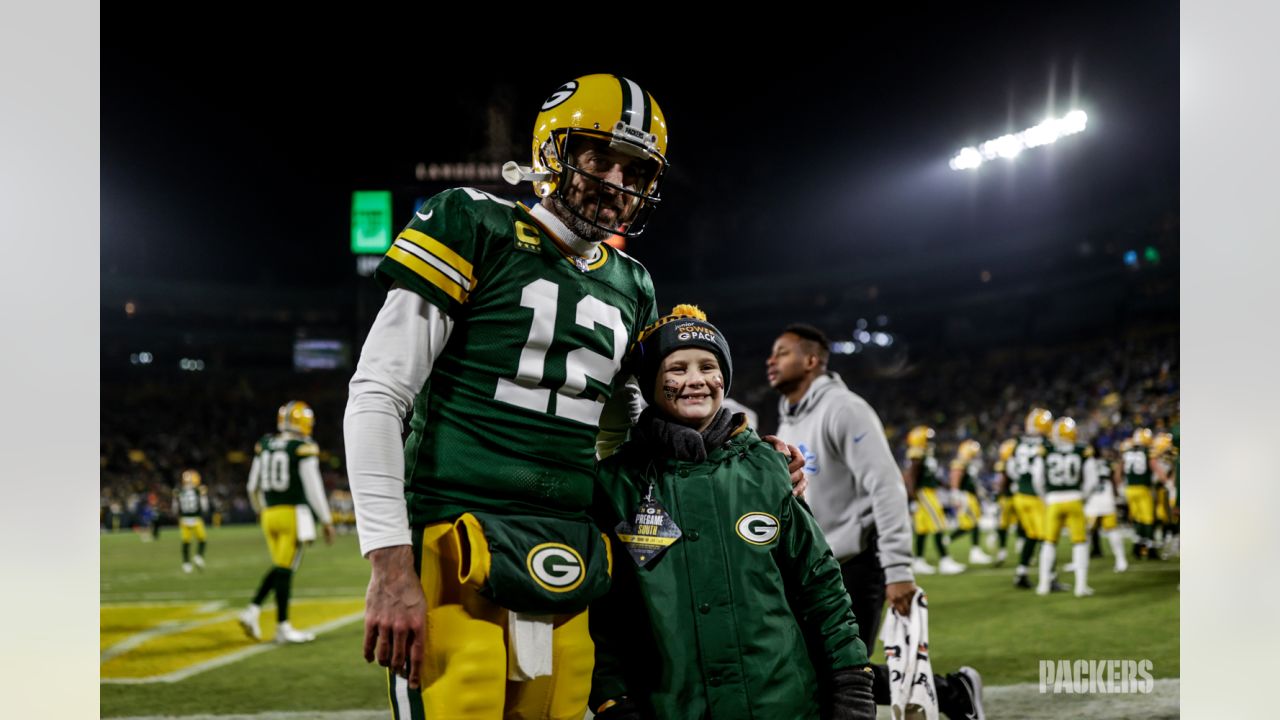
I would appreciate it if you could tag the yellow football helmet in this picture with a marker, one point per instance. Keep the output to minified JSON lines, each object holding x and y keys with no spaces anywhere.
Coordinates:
{"x":190,"y":478}
{"x":1064,"y":431}
{"x":1039,"y":422}
{"x":1006,"y":449}
{"x":968,"y":450}
{"x":1142,"y":437}
{"x":296,"y":416}
{"x":1162,"y":443}
{"x":919,"y":437}
{"x":610,"y":108}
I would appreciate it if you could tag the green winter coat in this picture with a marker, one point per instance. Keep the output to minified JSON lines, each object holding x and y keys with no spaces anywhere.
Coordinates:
{"x":724,"y":623}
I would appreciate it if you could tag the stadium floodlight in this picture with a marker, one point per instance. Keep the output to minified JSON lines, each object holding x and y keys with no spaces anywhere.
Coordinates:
{"x":1010,"y":146}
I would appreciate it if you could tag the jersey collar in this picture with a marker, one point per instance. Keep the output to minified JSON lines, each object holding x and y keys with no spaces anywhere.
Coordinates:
{"x":584,"y":254}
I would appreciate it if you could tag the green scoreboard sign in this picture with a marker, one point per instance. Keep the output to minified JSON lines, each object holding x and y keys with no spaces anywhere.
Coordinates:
{"x":370,"y":222}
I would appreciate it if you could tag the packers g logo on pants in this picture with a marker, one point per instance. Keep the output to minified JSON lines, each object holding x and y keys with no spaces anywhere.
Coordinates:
{"x":557,"y":568}
{"x":757,"y":528}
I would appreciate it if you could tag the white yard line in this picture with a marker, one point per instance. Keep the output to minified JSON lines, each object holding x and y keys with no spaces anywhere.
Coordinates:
{"x":234,"y":657}
{"x":165,"y":628}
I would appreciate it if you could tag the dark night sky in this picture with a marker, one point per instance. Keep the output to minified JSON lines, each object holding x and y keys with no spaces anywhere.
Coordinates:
{"x":228,"y":152}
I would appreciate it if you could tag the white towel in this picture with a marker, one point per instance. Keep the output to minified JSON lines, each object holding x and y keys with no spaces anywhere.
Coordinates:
{"x":528,"y":646}
{"x":306,"y":523}
{"x":906,"y":650}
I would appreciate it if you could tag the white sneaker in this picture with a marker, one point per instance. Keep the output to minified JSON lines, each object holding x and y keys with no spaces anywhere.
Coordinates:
{"x":920,"y":566}
{"x":947,"y":566}
{"x":186,"y":567}
{"x":1121,"y":565}
{"x":249,"y":622}
{"x":1002,"y":555}
{"x":977,"y":557}
{"x":286,"y":634}
{"x":200,"y":561}
{"x":1084,"y":591}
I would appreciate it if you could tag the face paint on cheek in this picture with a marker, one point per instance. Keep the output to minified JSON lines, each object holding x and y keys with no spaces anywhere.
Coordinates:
{"x":716,"y":382}
{"x":670,"y":390}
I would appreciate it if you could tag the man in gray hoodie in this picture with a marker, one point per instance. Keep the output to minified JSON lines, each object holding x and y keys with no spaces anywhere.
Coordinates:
{"x":857,"y":495}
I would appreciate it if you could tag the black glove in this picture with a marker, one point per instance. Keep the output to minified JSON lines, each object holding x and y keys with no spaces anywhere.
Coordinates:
{"x":851,"y":697}
{"x":622,"y":709}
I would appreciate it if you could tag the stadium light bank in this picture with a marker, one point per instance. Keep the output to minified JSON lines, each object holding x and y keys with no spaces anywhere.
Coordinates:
{"x":1009,"y":146}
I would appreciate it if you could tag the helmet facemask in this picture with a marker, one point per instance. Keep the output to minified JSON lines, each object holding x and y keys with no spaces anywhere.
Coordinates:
{"x":639,"y":194}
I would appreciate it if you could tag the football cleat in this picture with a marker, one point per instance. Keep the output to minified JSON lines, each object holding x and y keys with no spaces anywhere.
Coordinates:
{"x":1121,"y":565}
{"x":920,"y":566}
{"x":186,"y":567}
{"x":1001,"y":555}
{"x":947,"y":566}
{"x":199,"y":561}
{"x":977,"y":557}
{"x":249,"y":622}
{"x":1084,"y":591}
{"x":971,"y":681}
{"x":285,"y":633}
{"x":1022,"y":581}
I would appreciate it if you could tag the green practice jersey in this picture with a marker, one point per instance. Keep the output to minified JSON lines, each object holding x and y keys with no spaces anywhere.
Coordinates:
{"x":189,"y":504}
{"x":508,"y":419}
{"x":1137,"y":466}
{"x":1027,"y":461}
{"x":1064,"y":468}
{"x":278,"y":476}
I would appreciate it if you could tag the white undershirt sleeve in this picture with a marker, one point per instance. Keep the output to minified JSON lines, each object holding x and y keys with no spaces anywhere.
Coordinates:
{"x":255,"y":499}
{"x":406,"y":338}
{"x":313,"y":488}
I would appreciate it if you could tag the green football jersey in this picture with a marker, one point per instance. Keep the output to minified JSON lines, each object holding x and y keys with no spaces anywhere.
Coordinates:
{"x":1027,"y":460}
{"x":1137,"y":466}
{"x":189,"y":501}
{"x":278,"y":476}
{"x":970,"y":478}
{"x":1064,"y":468}
{"x":508,"y":419}
{"x":930,"y":472}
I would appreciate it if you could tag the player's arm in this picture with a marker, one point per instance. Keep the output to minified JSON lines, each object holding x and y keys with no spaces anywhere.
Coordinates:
{"x":1037,"y":473}
{"x":406,"y":338}
{"x":204,"y":501}
{"x":255,"y":481}
{"x":855,"y":429}
{"x":1091,"y":479}
{"x":313,"y":487}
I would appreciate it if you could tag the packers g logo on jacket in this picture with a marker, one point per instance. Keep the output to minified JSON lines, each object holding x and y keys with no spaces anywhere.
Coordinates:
{"x":757,"y":528}
{"x":557,"y":568}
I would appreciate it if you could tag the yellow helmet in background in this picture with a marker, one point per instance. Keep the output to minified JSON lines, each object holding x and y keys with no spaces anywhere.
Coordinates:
{"x":919,"y":437}
{"x":1039,"y":422}
{"x":1162,"y":443}
{"x":1006,"y":449}
{"x":968,"y":450}
{"x":296,"y":416}
{"x":610,"y":108}
{"x":1142,"y":437}
{"x":1064,"y":431}
{"x":190,"y":478}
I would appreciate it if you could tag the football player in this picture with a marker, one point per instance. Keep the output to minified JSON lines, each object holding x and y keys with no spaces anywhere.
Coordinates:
{"x":287,"y":492}
{"x":1026,"y":469}
{"x":1100,"y":507}
{"x":1004,"y":500}
{"x":1138,"y":491}
{"x":1162,"y":463}
{"x":191,"y":504}
{"x":924,"y":477}
{"x":965,"y":489}
{"x":1065,"y":488}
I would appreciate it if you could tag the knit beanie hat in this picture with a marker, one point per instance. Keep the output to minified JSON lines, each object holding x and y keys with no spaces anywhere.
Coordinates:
{"x":686,"y":326}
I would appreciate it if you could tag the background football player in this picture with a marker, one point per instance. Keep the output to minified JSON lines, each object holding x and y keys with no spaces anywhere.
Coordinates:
{"x":191,"y":504}
{"x":1100,"y":507}
{"x":1139,"y":491}
{"x":1026,"y":469}
{"x":1004,"y":500}
{"x":923,"y":478}
{"x":1065,"y":489}
{"x":1162,"y":464}
{"x":287,"y":491}
{"x":965,"y":489}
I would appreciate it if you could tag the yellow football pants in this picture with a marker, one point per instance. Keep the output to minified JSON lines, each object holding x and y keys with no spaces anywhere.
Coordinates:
{"x":929,"y":516}
{"x":1108,"y":521}
{"x":1007,"y":513}
{"x":1141,"y":505}
{"x":464,"y":673}
{"x":969,"y":512}
{"x":1070,"y":514}
{"x":280,"y":526}
{"x":195,"y":529}
{"x":1030,"y":511}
